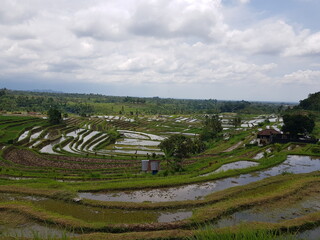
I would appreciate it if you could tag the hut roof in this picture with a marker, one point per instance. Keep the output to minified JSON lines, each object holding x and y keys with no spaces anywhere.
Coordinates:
{"x":268,"y":132}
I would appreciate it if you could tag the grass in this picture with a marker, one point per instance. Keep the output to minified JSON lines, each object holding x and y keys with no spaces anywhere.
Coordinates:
{"x":244,"y":234}
{"x":212,"y":207}
{"x":222,"y":203}
{"x":12,"y":131}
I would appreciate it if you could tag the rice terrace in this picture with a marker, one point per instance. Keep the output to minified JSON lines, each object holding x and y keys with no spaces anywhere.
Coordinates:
{"x":85,"y":166}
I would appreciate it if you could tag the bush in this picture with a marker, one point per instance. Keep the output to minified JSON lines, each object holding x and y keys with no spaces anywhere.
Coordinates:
{"x":315,"y":150}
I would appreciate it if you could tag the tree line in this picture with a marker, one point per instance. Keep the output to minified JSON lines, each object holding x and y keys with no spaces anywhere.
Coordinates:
{"x":87,"y":104}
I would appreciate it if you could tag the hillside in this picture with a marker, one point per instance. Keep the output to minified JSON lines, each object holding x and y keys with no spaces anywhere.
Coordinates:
{"x":311,"y":103}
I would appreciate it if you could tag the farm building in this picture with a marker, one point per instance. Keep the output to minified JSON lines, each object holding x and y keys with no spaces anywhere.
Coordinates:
{"x":266,"y":136}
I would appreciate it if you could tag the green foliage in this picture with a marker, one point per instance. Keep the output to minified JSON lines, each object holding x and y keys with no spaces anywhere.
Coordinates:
{"x":277,"y":147}
{"x":311,"y":103}
{"x":211,"y":128}
{"x":298,"y":123}
{"x":80,"y":109}
{"x":210,"y":233}
{"x":315,"y":150}
{"x":236,"y":122}
{"x":54,"y":116}
{"x":88,"y":104}
{"x":3,"y":92}
{"x":113,"y":135}
{"x":179,"y":146}
{"x":234,"y":106}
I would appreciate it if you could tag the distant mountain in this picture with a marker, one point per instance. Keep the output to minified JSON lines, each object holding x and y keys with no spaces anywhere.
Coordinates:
{"x":311,"y":103}
{"x":45,"y":91}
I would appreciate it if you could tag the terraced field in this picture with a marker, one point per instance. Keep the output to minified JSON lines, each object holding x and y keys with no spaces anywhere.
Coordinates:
{"x":82,"y":180}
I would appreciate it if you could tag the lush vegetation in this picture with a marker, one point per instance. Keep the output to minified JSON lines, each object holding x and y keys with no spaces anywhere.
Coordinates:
{"x":297,"y":123}
{"x":54,"y":116}
{"x":48,"y":165}
{"x":88,"y":104}
{"x":311,"y":103}
{"x":178,"y":147}
{"x":211,"y":128}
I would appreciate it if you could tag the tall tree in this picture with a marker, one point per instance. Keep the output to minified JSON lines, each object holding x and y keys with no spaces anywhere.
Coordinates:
{"x":236,"y":121}
{"x":211,"y":128}
{"x":298,"y":123}
{"x":179,"y":147}
{"x":54,"y":116}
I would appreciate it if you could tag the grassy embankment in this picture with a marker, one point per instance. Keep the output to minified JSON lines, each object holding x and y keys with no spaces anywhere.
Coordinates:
{"x":263,"y":192}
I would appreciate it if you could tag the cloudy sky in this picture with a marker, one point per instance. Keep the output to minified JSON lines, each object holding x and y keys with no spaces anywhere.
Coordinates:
{"x":267,"y":50}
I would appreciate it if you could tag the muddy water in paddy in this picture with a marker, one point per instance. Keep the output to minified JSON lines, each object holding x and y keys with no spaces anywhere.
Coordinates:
{"x":294,"y":164}
{"x":313,"y":234}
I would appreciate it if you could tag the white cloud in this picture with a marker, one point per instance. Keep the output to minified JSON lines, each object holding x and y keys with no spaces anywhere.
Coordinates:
{"x":200,"y":20}
{"x":156,"y":41}
{"x":267,"y":37}
{"x":244,"y":1}
{"x":303,"y":77}
{"x":13,"y":12}
{"x":307,"y":45}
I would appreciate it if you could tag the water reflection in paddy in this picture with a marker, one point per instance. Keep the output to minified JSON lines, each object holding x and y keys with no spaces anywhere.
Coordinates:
{"x":35,"y":135}
{"x":233,"y":165}
{"x":133,"y":141}
{"x":49,"y":148}
{"x":23,"y":135}
{"x":273,"y":212}
{"x":294,"y":164}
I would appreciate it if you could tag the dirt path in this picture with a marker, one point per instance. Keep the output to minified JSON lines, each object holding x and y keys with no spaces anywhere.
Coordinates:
{"x":233,"y":147}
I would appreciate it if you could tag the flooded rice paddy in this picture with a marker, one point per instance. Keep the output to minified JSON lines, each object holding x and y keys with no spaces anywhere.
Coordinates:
{"x":34,"y":231}
{"x":293,"y":164}
{"x":87,"y":137}
{"x":134,"y":142}
{"x":35,"y":135}
{"x":312,"y":234}
{"x":140,"y":142}
{"x":233,"y":165}
{"x":273,"y":212}
{"x":23,"y":135}
{"x":96,"y":214}
{"x":49,"y":148}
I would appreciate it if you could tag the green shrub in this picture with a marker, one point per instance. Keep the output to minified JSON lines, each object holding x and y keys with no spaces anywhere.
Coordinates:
{"x":315,"y":150}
